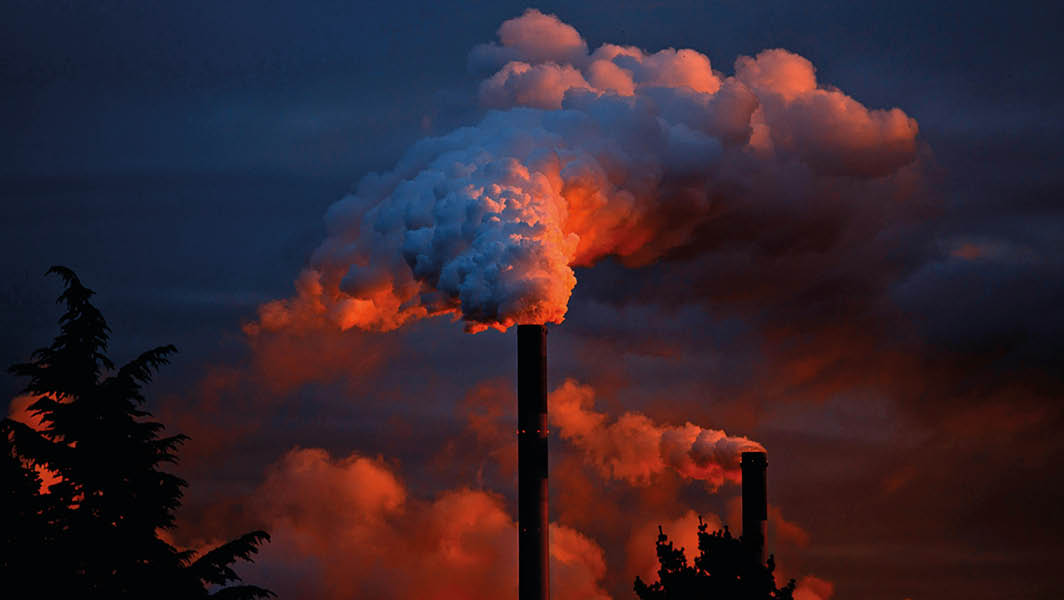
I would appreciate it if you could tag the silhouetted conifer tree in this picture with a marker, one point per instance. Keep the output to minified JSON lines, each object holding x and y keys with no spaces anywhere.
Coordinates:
{"x":723,"y":570}
{"x":22,"y":531}
{"x":95,"y":533}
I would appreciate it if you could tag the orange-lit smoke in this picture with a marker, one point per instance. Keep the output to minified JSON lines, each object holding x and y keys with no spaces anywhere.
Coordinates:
{"x":586,"y":154}
{"x":350,"y":526}
{"x":353,"y":529}
{"x":642,"y":558}
{"x":635,"y":449}
{"x":814,"y":588}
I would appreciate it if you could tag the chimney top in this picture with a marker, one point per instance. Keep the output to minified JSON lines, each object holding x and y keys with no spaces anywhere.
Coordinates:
{"x":755,"y":458}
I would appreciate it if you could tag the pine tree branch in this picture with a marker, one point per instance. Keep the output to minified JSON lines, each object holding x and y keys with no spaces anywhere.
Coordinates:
{"x":214,"y":567}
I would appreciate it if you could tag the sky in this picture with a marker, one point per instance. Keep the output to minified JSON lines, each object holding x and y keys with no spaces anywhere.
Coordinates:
{"x":882,"y":315}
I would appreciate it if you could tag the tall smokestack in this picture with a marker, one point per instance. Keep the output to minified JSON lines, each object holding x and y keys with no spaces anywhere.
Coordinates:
{"x":532,"y":537}
{"x":755,"y":502}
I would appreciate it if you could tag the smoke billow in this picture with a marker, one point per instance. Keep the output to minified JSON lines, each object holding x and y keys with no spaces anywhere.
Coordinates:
{"x":635,"y":449}
{"x":349,"y":527}
{"x":814,"y":588}
{"x":582,"y":155}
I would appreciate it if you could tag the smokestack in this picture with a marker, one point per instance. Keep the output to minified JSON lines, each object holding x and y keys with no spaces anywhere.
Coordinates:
{"x":755,"y":502}
{"x":532,"y":542}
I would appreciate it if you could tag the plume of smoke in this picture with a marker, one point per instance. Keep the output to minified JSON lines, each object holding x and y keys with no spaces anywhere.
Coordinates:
{"x":634,"y":448}
{"x":348,"y":527}
{"x":642,"y":559}
{"x":814,"y":588}
{"x":587,"y":154}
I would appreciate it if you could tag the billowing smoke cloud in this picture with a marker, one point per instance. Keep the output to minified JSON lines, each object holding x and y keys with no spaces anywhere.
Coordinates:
{"x":635,"y":449}
{"x":642,"y":558}
{"x":350,"y":528}
{"x":352,"y":525}
{"x":631,"y":447}
{"x":813,"y":588}
{"x":585,"y":155}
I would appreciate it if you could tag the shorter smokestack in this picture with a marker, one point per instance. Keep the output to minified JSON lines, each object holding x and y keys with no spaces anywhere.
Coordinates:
{"x":755,"y":502}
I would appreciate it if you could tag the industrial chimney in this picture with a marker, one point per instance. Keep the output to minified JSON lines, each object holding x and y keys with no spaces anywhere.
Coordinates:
{"x":755,"y":502}
{"x":532,"y":536}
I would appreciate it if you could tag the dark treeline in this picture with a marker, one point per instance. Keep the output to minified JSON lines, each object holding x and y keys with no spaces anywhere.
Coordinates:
{"x":94,"y":533}
{"x":723,"y":570}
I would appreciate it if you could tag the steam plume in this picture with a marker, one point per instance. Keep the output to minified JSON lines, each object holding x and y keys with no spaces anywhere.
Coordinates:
{"x":634,"y":448}
{"x":586,"y":154}
{"x":350,"y":528}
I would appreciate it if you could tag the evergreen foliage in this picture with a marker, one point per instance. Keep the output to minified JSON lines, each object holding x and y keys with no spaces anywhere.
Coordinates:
{"x":95,"y":532}
{"x":723,"y":570}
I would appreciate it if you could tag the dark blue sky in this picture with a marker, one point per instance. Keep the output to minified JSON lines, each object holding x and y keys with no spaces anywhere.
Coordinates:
{"x":180,"y":156}
{"x":337,"y":88}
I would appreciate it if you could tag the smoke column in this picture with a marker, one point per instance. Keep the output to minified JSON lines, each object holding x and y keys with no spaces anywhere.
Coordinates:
{"x":634,"y":448}
{"x":533,"y":532}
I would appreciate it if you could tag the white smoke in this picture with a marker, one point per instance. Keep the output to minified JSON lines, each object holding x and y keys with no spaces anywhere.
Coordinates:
{"x":635,"y":449}
{"x":615,"y":152}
